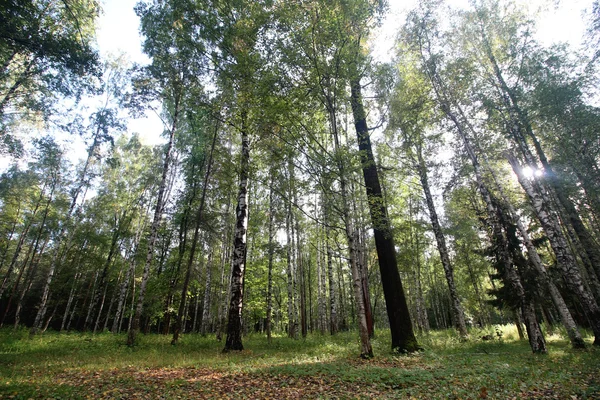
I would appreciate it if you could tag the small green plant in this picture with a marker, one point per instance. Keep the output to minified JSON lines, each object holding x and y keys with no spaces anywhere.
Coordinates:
{"x":77,"y":365}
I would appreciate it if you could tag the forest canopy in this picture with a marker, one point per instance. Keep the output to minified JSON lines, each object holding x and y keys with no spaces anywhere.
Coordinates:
{"x":302,"y":185}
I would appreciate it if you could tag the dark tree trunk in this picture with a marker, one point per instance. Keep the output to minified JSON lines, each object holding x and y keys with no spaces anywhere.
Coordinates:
{"x":403,"y":337}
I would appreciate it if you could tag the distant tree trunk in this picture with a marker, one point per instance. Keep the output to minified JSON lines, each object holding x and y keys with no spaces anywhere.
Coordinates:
{"x":342,"y":294}
{"x":15,"y":257}
{"x":518,"y":323}
{"x":29,"y":279}
{"x":224,"y":283}
{"x":333,"y":317}
{"x":129,"y":274}
{"x":101,"y":288}
{"x":23,"y":236}
{"x":195,"y":319}
{"x":290,"y":275}
{"x":57,"y":256}
{"x":422,"y":319}
{"x":457,"y":311}
{"x":271,"y":251}
{"x":206,"y":303}
{"x":322,"y":283}
{"x":301,"y":284}
{"x":234,"y":324}
{"x":366,"y":350}
{"x":483,"y":316}
{"x":403,"y":337}
{"x":102,"y":301}
{"x":160,"y":200}
{"x":198,"y":219}
{"x":364,"y":277}
{"x":181,"y":249}
{"x":113,"y":297}
{"x":11,"y":233}
{"x":27,"y":264}
{"x":90,"y":294}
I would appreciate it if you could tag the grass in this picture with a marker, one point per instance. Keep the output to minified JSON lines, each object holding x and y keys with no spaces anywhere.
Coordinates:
{"x":77,"y":365}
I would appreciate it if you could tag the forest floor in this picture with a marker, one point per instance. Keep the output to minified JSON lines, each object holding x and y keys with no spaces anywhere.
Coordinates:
{"x":77,"y":365}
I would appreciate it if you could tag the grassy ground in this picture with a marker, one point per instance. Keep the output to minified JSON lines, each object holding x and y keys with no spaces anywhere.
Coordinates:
{"x":66,"y":366}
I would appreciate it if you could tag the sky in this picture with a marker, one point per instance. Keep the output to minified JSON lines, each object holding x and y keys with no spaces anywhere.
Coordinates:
{"x":562,"y":21}
{"x":118,"y":32}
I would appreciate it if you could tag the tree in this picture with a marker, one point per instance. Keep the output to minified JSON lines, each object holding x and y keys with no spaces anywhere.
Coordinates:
{"x":412,"y":113}
{"x":45,"y":53}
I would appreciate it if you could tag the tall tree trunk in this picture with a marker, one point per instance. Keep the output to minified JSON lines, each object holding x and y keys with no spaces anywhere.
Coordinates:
{"x":366,"y":350}
{"x":57,"y":256}
{"x":497,"y":221}
{"x":457,"y":311}
{"x":160,"y":200}
{"x":198,"y":219}
{"x":290,"y":274}
{"x":23,"y":236}
{"x":29,"y":278}
{"x":333,"y":319}
{"x":234,"y":323}
{"x":129,"y":274}
{"x":535,"y":260}
{"x":565,"y":259}
{"x":364,"y":277}
{"x":403,"y":337}
{"x":271,"y":252}
{"x":519,"y":123}
{"x":222,"y":302}
{"x":101,"y":288}
{"x":206,"y":303}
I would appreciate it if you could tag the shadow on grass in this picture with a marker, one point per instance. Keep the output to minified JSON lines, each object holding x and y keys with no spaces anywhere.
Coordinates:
{"x":101,"y":366}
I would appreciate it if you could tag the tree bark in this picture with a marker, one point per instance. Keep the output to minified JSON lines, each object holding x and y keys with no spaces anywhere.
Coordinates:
{"x":160,"y":200}
{"x":403,"y":337}
{"x":198,"y":219}
{"x":290,"y":274}
{"x":565,"y":260}
{"x":206,"y":303}
{"x":234,"y":322}
{"x":457,"y":311}
{"x":271,"y":251}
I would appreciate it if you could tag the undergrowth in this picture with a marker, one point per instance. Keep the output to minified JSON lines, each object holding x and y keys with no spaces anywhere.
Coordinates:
{"x":80,"y":365}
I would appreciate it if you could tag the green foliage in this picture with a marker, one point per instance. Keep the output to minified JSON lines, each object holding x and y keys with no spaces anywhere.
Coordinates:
{"x":45,"y":53}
